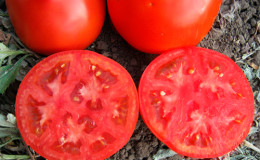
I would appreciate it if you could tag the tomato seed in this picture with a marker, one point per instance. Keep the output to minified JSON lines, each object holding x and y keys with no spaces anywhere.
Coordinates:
{"x":162,"y":93}
{"x":191,"y":71}
{"x":76,"y":99}
{"x":216,"y":68}
{"x":240,"y":95}
{"x":94,"y":104}
{"x":169,"y":76}
{"x":98,"y":73}
{"x":106,"y":87}
{"x":238,"y":121}
{"x":93,"y":67}
{"x":221,"y":75}
{"x":76,"y":95}
{"x":232,"y":83}
{"x":63,"y":65}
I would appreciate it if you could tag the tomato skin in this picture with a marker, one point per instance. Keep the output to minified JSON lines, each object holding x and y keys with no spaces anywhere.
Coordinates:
{"x":48,"y":121}
{"x":51,"y":26}
{"x":180,"y":105}
{"x":157,"y":26}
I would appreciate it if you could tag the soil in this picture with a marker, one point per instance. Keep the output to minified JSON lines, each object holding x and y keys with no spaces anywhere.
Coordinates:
{"x":235,"y":33}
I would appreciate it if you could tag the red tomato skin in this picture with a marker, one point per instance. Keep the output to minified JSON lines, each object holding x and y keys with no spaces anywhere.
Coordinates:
{"x":51,"y":26}
{"x":157,"y":26}
{"x":165,"y":57}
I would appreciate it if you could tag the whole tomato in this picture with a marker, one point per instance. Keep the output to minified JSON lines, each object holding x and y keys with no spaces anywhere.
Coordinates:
{"x":156,"y":26}
{"x":50,"y":26}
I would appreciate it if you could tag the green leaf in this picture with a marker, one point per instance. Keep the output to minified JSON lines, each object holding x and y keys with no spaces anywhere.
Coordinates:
{"x":8,"y":132}
{"x":5,"y":156}
{"x":8,"y":141}
{"x":11,"y":118}
{"x":5,"y":123}
{"x":8,"y":74}
{"x":6,"y":52}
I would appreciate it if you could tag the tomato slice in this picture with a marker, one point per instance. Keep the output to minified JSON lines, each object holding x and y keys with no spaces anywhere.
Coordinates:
{"x":77,"y":105}
{"x":197,"y":101}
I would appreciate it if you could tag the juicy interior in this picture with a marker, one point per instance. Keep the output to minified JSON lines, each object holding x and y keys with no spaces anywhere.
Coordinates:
{"x":77,"y":108}
{"x":200,"y":105}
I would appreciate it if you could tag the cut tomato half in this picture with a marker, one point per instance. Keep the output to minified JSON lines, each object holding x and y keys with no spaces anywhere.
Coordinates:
{"x":77,"y":105}
{"x":197,"y":101}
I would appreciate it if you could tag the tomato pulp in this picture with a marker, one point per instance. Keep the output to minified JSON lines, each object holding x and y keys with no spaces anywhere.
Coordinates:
{"x":77,"y":105}
{"x":156,"y":26}
{"x":197,"y":101}
{"x":51,"y":26}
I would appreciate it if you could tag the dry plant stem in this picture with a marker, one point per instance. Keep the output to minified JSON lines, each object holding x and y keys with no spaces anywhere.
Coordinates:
{"x":28,"y":150}
{"x":251,"y":146}
{"x":245,"y":56}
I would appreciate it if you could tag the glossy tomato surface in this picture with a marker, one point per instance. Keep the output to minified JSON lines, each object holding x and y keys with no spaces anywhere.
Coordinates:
{"x":197,"y":101}
{"x":156,"y":26}
{"x":77,"y":105}
{"x":51,"y":26}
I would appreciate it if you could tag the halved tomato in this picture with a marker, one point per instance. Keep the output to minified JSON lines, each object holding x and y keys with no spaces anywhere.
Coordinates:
{"x":77,"y":105}
{"x":197,"y":101}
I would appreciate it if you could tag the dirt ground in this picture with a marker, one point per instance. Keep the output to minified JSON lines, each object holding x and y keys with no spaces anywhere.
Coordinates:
{"x":235,"y":33}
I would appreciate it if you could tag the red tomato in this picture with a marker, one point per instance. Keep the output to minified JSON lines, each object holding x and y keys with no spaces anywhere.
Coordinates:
{"x":50,"y":26}
{"x":77,"y":105}
{"x":197,"y":101}
{"x":156,"y":26}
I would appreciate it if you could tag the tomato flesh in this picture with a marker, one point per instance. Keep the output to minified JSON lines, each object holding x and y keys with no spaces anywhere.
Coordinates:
{"x":197,"y":101}
{"x":76,"y":105}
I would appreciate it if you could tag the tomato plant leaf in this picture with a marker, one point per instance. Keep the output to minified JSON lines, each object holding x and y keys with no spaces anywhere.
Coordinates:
{"x":5,"y":156}
{"x":11,"y":118}
{"x":7,"y":132}
{"x":6,"y":52}
{"x":8,"y":74}
{"x":9,"y":140}
{"x":8,"y":126}
{"x":6,"y":123}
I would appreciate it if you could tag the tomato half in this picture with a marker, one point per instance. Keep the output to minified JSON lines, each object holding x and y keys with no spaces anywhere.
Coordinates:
{"x":51,"y":26}
{"x":197,"y":101}
{"x":77,"y":105}
{"x":156,"y":26}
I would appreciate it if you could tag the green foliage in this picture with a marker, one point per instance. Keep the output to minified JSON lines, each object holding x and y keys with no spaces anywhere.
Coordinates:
{"x":8,"y":69}
{"x":6,"y":157}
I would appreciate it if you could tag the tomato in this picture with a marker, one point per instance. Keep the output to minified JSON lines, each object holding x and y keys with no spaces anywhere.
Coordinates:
{"x":77,"y":105}
{"x":197,"y":101}
{"x":51,"y":26}
{"x":156,"y":26}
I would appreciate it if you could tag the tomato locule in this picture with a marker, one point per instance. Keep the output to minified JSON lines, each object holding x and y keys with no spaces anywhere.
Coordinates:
{"x":156,"y":26}
{"x":51,"y":26}
{"x":197,"y":101}
{"x":77,"y":105}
